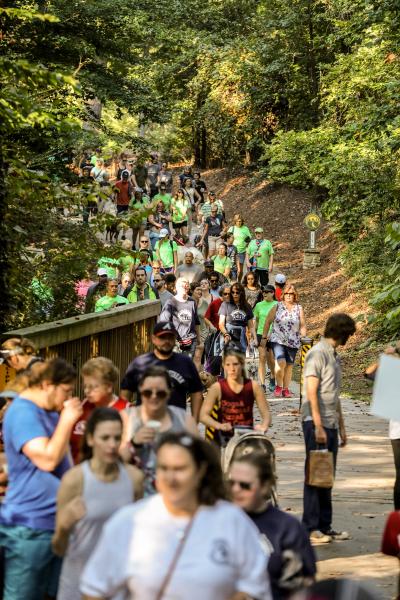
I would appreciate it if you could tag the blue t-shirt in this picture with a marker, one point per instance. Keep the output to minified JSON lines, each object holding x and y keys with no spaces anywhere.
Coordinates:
{"x":31,"y":493}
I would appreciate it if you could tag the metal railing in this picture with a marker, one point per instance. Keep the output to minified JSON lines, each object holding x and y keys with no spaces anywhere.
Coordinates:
{"x":119,"y":334}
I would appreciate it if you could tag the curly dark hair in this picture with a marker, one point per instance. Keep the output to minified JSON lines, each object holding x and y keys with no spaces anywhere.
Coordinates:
{"x":340,"y":327}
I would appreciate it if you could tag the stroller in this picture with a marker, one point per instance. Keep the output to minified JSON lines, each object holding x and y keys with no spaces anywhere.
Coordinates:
{"x":244,"y":441}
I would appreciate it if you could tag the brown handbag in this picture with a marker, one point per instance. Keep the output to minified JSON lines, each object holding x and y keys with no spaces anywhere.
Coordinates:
{"x":320,"y":471}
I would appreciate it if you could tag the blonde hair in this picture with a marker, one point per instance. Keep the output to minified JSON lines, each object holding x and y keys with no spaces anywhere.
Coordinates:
{"x":22,"y":346}
{"x":289,"y":287}
{"x":231,"y":351}
{"x":101,"y":368}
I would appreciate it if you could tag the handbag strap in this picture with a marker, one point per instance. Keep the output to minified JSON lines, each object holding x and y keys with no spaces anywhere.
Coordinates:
{"x":175,"y":559}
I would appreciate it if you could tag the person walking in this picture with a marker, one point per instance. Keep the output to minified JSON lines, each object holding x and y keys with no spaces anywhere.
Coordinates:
{"x":288,"y":327}
{"x":97,"y":290}
{"x":232,"y":253}
{"x":141,"y":290}
{"x":266,"y":356}
{"x":152,"y":418}
{"x":292,"y":565}
{"x":235,"y":395}
{"x":252,"y":288}
{"x":236,"y":319}
{"x":185,"y":541}
{"x":180,"y":207}
{"x":123,"y":192}
{"x":202,"y":306}
{"x":323,"y":421}
{"x":222,"y":264}
{"x":100,"y":376}
{"x":161,"y":289}
{"x":167,"y":252}
{"x":214,"y":226}
{"x":19,"y":353}
{"x":159,"y":220}
{"x":181,"y":311}
{"x":260,"y":256}
{"x":111,"y":299}
{"x":186,"y":384}
{"x":81,"y":515}
{"x":189,"y":269}
{"x":36,"y":429}
{"x":241,"y":238}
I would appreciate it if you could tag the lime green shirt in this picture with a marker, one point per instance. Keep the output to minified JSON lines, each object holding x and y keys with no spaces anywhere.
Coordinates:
{"x":239,"y":236}
{"x":261,"y":311}
{"x":180,"y":209}
{"x":125,"y":262}
{"x":262,"y":254}
{"x":165,"y":198}
{"x":107,"y":302}
{"x":221,"y":263}
{"x":166,"y":252}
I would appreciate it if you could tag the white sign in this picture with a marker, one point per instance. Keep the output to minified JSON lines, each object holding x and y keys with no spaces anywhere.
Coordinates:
{"x":386,"y":395}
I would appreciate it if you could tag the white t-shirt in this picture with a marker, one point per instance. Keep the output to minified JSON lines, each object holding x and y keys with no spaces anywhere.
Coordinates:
{"x":222,"y":554}
{"x":394,"y":430}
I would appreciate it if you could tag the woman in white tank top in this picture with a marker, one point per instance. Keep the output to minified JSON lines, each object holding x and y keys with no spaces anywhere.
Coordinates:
{"x":89,"y":495}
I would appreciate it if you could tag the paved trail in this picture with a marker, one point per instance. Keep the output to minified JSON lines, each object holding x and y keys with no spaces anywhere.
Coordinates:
{"x":362,"y":492}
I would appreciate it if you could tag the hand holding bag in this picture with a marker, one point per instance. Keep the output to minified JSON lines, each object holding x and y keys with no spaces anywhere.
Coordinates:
{"x":320,"y":470}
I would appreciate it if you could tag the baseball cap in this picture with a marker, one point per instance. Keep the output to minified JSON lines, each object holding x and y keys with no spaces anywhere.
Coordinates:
{"x":125,"y":174}
{"x":163,"y":233}
{"x":208,"y":263}
{"x":164,"y":328}
{"x":280,"y":278}
{"x":259,"y":230}
{"x":101,"y":272}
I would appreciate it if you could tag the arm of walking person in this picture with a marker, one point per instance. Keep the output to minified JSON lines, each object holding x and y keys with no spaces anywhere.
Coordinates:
{"x":46,"y":453}
{"x":268,"y":322}
{"x":263,"y":407}
{"x":312,"y":384}
{"x":227,"y":271}
{"x":175,"y":260}
{"x":213,"y":397}
{"x":252,"y":331}
{"x":196,"y":401}
{"x":342,"y":428}
{"x":70,"y":509}
{"x":222,"y":328}
{"x":137,"y":478}
{"x":203,"y":237}
{"x":303,"y":327}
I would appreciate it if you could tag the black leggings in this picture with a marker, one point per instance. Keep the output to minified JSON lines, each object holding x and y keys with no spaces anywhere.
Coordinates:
{"x":396,"y":490}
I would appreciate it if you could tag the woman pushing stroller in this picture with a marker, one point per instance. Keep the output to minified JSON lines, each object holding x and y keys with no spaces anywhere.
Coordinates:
{"x":234,"y":398}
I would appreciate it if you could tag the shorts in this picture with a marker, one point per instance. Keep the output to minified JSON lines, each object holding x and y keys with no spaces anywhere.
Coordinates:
{"x":285,"y":353}
{"x":212,"y":242}
{"x":122,"y":208}
{"x":241,"y":256}
{"x":179,"y":225}
{"x":31,"y":569}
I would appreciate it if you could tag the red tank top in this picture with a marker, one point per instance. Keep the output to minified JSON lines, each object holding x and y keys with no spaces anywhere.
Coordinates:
{"x":80,"y":426}
{"x":237,"y":409}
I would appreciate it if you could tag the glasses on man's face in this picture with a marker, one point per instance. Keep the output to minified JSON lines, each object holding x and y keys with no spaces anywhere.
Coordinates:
{"x":157,"y":280}
{"x":214,"y":280}
{"x":226,"y":294}
{"x":244,"y":485}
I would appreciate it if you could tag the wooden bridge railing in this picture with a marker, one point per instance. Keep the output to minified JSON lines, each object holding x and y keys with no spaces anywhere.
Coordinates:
{"x":119,"y":334}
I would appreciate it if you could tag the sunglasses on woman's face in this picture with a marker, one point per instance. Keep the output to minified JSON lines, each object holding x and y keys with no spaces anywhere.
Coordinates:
{"x":159,"y":394}
{"x":244,"y":485}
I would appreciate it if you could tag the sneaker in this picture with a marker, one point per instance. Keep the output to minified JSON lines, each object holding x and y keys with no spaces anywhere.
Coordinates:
{"x":278,"y":392}
{"x":271,"y":385}
{"x":264,"y":388}
{"x":319,"y":537}
{"x":338,"y":535}
{"x":286,"y":393}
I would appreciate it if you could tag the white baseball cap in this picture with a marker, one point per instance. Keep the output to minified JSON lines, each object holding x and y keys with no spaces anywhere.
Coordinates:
{"x":280,"y":278}
{"x":163,"y":233}
{"x":101,"y":272}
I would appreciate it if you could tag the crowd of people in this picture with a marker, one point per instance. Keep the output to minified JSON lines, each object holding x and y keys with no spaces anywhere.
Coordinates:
{"x":122,"y":493}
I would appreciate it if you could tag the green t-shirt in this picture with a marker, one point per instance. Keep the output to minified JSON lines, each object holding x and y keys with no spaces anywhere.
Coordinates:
{"x":261,"y":311}
{"x":180,"y":209}
{"x":165,"y":198}
{"x":125,"y":262}
{"x":239,"y":236}
{"x":166,"y":251}
{"x":221,"y":263}
{"x":107,"y":302}
{"x":262,"y":254}
{"x":110,"y":265}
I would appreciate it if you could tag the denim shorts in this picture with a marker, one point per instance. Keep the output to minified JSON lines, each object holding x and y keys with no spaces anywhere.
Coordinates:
{"x":285,"y":353}
{"x":31,"y":569}
{"x":242,"y":256}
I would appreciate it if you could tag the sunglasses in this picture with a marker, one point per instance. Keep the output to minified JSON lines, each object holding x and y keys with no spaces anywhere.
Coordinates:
{"x":214,"y":280}
{"x":226,"y":294}
{"x":159,"y":394}
{"x":244,"y":485}
{"x":144,"y":241}
{"x":157,"y":280}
